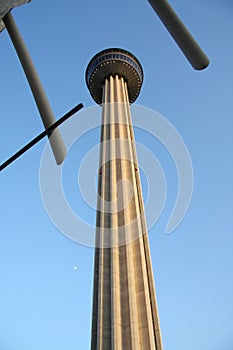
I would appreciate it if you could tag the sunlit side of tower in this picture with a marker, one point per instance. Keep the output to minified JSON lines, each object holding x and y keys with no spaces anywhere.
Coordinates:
{"x":125,"y":314}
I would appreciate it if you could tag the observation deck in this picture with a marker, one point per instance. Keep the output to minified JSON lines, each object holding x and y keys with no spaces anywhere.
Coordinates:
{"x":112,"y":62}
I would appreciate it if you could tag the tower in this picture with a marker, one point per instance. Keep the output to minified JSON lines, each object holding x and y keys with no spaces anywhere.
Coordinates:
{"x":125,"y":314}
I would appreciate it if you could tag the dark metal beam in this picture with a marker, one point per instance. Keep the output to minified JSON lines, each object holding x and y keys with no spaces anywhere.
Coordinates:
{"x":46,"y":132}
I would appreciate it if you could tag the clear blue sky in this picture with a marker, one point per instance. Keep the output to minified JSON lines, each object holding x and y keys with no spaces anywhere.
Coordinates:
{"x":46,"y":279}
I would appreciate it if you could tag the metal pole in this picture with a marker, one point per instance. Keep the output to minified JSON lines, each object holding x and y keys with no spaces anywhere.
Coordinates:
{"x":46,"y":132}
{"x":180,"y":34}
{"x":47,"y":116}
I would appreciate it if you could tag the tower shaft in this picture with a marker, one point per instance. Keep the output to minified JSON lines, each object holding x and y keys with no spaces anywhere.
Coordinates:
{"x":125,"y":312}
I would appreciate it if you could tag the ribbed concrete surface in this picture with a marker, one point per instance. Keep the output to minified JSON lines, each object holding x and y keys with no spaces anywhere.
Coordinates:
{"x":125,"y":312}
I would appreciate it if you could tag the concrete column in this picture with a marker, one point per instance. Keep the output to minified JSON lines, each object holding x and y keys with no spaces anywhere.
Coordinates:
{"x":125,"y":314}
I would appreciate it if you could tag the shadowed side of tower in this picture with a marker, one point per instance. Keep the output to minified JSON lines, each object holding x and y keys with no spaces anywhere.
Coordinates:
{"x":125,"y":312}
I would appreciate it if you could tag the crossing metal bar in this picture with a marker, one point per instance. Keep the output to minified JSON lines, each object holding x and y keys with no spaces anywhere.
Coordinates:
{"x":46,"y":132}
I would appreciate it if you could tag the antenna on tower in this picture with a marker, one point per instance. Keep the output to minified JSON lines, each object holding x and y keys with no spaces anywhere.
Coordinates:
{"x":46,"y":113}
{"x":180,"y":34}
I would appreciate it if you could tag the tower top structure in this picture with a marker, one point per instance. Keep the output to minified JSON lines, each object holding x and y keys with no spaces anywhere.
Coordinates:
{"x":114,"y":62}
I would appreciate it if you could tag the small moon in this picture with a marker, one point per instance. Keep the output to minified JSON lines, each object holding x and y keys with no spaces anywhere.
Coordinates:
{"x":75,"y":268}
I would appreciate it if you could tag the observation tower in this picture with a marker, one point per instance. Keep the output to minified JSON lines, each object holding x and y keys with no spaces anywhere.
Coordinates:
{"x":124,"y":314}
